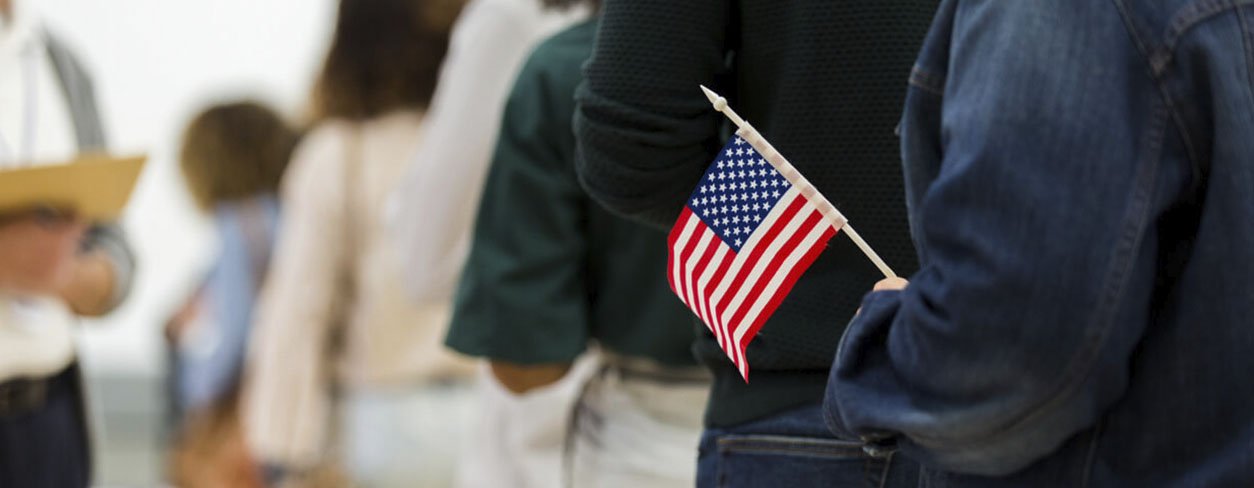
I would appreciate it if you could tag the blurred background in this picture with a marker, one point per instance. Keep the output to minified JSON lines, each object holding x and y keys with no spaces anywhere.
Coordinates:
{"x":157,"y":62}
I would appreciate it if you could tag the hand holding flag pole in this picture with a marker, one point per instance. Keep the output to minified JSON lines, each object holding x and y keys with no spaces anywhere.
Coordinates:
{"x":752,"y":226}
{"x":772,"y":156}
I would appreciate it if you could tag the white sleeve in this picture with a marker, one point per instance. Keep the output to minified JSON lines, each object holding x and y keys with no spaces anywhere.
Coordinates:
{"x":286,"y":401}
{"x":433,"y":208}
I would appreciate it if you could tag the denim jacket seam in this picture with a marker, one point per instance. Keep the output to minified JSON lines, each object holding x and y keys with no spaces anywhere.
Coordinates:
{"x":1086,"y":479}
{"x":1185,"y":20}
{"x":1102,"y":320}
{"x":927,"y":81}
{"x":888,"y":463}
{"x":1160,"y":58}
{"x":1248,"y":35}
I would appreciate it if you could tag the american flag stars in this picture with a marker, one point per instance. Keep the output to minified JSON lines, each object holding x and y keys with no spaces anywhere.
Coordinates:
{"x":737,"y":192}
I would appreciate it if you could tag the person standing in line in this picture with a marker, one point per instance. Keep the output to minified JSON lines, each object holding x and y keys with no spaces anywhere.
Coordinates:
{"x":343,"y":369}
{"x":233,"y":158}
{"x":822,"y":81}
{"x":1080,"y":179}
{"x":54,"y":267}
{"x":552,"y":274}
{"x":432,"y":211}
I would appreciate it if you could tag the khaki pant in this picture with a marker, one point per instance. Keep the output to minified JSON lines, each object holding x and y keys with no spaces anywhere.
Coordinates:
{"x":634,"y":430}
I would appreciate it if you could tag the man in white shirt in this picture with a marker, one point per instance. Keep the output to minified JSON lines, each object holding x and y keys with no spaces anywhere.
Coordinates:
{"x":517,"y":438}
{"x":53,"y":266}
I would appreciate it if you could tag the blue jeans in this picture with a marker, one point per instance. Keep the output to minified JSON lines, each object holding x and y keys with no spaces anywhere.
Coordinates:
{"x":794,"y":449}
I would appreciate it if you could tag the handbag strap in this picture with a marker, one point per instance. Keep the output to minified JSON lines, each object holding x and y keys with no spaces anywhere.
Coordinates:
{"x":351,"y":178}
{"x":346,"y":282}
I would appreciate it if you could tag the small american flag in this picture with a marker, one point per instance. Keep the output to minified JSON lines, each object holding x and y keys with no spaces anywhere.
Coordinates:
{"x":744,"y":238}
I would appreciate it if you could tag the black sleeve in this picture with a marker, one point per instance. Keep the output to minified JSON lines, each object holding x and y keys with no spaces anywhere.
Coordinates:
{"x":645,"y":130}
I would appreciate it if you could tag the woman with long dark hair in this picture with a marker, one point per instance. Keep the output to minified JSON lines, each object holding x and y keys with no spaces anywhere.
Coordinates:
{"x":338,"y":354}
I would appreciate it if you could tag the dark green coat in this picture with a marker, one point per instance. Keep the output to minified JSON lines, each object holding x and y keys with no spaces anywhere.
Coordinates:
{"x":550,"y":270}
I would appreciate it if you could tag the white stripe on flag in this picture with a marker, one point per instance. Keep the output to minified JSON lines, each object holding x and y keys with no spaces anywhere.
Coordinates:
{"x":690,"y":283}
{"x":704,"y":281}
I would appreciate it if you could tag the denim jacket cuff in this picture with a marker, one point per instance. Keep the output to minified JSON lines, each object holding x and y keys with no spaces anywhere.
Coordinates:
{"x":877,"y":311}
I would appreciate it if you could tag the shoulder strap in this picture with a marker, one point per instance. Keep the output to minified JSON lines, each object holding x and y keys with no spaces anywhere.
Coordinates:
{"x":351,"y":178}
{"x":76,"y":86}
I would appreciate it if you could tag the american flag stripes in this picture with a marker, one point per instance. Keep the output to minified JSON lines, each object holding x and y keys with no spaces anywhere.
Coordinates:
{"x":744,"y":238}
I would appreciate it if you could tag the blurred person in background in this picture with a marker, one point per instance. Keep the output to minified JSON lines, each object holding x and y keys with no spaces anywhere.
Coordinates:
{"x":432,"y":210}
{"x":824,"y":82}
{"x":343,"y":369}
{"x":233,"y":158}
{"x":431,"y":213}
{"x":53,"y":266}
{"x":552,"y":274}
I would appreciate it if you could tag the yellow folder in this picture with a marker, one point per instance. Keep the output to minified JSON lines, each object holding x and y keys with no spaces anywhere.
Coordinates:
{"x":95,"y":188}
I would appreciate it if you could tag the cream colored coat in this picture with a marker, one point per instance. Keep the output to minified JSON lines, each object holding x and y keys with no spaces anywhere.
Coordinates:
{"x":332,"y":316}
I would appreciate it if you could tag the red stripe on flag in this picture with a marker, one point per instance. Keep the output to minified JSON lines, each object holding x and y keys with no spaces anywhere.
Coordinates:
{"x":695,"y":302}
{"x":679,"y":226}
{"x":697,"y":236}
{"x":794,"y":274}
{"x":676,"y":231}
{"x":707,"y":314}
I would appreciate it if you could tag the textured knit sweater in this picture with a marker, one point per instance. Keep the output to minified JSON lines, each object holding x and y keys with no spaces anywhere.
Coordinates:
{"x":824,"y":81}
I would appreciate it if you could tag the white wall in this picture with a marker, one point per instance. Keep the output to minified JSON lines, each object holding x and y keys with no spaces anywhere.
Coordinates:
{"x":156,"y":62}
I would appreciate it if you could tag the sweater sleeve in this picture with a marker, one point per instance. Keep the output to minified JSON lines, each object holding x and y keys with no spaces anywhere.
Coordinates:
{"x":287,"y":401}
{"x":646,"y":132}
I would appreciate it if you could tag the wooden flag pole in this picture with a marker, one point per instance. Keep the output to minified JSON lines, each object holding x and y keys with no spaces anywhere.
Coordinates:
{"x":754,"y":138}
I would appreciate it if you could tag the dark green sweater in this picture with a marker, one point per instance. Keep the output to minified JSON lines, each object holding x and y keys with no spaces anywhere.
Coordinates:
{"x":824,"y":81}
{"x":549,"y":269}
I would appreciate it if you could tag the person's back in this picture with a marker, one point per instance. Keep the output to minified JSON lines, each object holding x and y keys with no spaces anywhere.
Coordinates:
{"x":336,"y":342}
{"x":1080,"y":184}
{"x":232,"y":158}
{"x":824,"y":82}
{"x":387,"y":339}
{"x":434,"y":205}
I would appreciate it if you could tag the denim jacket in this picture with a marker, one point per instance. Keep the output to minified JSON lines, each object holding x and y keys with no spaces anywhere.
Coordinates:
{"x":1080,"y":180}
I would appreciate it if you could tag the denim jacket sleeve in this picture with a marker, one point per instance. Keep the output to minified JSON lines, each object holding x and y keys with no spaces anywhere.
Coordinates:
{"x":1033,"y":141}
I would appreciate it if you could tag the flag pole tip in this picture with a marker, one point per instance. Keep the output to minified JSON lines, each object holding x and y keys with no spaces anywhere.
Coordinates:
{"x":720,"y":103}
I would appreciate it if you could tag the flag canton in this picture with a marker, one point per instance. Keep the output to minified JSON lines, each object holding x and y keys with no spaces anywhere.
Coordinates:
{"x":737,"y":192}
